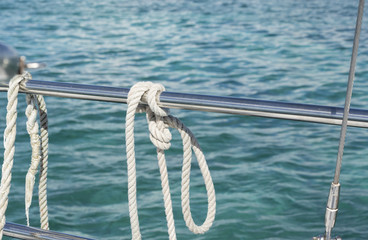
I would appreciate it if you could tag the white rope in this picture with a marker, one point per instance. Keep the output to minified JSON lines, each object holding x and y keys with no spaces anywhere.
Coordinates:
{"x":39,"y":156}
{"x":42,"y":185}
{"x":32,"y":128}
{"x":9,"y":139}
{"x":158,"y":122}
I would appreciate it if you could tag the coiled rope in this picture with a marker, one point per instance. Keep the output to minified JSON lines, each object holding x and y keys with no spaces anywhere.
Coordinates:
{"x":9,"y":149}
{"x":158,"y":121}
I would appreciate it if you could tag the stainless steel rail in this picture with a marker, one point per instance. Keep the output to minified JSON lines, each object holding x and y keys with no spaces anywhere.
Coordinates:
{"x":23,"y":232}
{"x":242,"y":106}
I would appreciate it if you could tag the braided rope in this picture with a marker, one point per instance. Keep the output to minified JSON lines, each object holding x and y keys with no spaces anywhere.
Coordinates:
{"x":39,"y":156}
{"x":9,"y":139}
{"x":42,"y":185}
{"x":158,"y":123}
{"x":32,"y":128}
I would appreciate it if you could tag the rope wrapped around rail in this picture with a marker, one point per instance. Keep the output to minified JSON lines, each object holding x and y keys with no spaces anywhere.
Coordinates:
{"x":158,"y":121}
{"x":39,"y":150}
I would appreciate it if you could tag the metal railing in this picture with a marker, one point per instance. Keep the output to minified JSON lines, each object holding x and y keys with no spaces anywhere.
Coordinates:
{"x":23,"y":232}
{"x":230,"y":105}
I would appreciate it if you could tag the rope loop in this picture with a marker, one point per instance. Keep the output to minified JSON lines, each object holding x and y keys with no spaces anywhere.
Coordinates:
{"x":32,"y":128}
{"x":153,"y":96}
{"x":44,"y":154}
{"x":39,"y":146}
{"x":39,"y":149}
{"x":159,"y":122}
{"x":9,"y":139}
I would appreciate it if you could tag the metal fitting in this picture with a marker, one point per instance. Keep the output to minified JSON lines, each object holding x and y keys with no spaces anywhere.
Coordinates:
{"x":9,"y":64}
{"x":331,"y":209}
{"x":12,"y":64}
{"x":333,"y":197}
{"x":322,"y":237}
{"x":331,"y":212}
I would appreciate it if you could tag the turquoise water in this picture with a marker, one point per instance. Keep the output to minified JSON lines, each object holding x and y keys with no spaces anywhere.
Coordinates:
{"x":271,"y":176}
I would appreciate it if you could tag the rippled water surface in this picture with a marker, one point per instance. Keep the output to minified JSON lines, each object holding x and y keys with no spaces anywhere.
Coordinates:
{"x":271,"y":176}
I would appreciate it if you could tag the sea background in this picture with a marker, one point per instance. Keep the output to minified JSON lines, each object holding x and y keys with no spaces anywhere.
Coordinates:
{"x":271,"y":176}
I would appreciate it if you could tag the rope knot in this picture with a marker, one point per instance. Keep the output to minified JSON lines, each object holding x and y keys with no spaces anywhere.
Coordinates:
{"x":160,"y":134}
{"x":24,"y":79}
{"x":149,"y":93}
{"x":159,"y":122}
